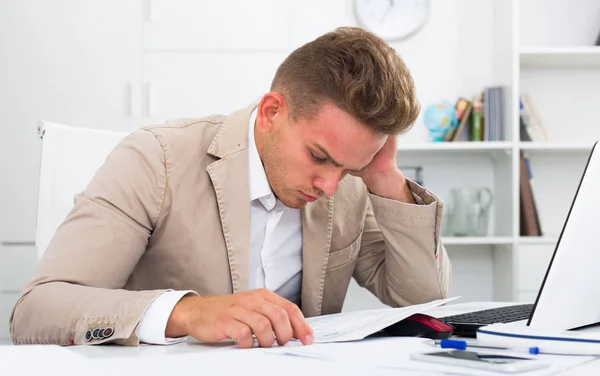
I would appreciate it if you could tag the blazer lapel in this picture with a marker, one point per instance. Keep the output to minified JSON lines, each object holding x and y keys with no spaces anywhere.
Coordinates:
{"x":229,"y":175}
{"x":317,"y":221}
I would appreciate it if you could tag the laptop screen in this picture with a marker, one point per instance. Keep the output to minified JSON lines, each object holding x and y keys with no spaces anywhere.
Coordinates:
{"x":569,"y":296}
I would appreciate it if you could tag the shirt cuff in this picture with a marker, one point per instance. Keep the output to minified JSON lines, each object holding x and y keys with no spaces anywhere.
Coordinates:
{"x":153,"y":325}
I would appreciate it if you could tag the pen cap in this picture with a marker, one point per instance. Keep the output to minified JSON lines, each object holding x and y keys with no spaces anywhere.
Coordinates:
{"x":453,"y":344}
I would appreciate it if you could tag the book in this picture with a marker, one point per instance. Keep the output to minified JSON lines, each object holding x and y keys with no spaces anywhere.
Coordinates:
{"x":477,"y":121}
{"x":529,"y":217}
{"x":494,"y":113}
{"x":532,"y":120}
{"x":463,"y":111}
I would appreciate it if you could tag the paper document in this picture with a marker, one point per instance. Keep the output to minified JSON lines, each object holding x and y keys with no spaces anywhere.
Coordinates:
{"x":393,"y":353}
{"x":351,"y":326}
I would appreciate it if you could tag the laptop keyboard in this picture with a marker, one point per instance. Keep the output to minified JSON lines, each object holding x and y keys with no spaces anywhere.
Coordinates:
{"x":492,"y":316}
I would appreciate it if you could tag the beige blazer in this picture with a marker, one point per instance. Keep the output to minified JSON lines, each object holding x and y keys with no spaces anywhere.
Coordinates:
{"x":170,"y":209}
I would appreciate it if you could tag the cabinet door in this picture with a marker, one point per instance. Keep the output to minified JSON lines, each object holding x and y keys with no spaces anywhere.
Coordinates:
{"x":67,"y":61}
{"x":17,"y":263}
{"x":7,"y":302}
{"x":188,"y":85}
{"x":240,"y":25}
{"x":532,"y":265}
{"x":216,"y":25}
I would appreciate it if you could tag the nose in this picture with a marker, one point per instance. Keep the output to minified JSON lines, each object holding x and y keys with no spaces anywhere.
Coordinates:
{"x":328,"y":183}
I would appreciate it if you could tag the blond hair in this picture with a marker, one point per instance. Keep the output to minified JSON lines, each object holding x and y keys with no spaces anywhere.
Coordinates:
{"x":356,"y":71}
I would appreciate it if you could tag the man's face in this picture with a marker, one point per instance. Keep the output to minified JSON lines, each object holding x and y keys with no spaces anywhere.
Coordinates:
{"x":306,"y":159}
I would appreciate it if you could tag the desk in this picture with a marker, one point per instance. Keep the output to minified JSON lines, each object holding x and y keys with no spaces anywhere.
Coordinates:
{"x":590,"y":368}
{"x":194,"y":356}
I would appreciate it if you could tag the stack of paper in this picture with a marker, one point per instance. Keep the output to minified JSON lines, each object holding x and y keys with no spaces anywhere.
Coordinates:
{"x":357,"y":325}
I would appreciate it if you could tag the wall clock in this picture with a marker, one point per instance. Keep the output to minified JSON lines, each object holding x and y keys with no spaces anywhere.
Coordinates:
{"x":392,"y":20}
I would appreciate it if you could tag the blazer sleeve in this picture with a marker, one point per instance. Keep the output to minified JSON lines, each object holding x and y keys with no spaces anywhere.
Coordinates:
{"x":76,"y":294}
{"x":402,"y":260}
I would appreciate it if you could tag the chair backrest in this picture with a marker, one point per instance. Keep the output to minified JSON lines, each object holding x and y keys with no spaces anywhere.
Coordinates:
{"x":70,"y":157}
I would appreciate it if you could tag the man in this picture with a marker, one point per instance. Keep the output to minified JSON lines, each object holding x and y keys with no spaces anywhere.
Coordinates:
{"x":240,"y":226}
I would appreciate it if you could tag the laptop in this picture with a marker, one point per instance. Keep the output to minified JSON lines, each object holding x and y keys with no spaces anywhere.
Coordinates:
{"x":569,"y":297}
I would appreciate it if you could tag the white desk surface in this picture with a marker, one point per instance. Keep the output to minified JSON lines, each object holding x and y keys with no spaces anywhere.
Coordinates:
{"x":197,"y":357}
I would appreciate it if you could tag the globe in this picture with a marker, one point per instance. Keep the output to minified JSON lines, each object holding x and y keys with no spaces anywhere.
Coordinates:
{"x":440,"y":119}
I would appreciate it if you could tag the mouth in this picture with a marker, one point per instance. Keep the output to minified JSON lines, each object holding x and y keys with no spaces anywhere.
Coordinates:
{"x":307,"y":198}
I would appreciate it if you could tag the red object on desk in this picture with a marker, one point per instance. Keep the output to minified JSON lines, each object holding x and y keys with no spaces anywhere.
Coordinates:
{"x":420,"y":325}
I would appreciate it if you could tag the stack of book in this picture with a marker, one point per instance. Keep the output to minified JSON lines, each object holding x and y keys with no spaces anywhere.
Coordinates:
{"x":482,"y":118}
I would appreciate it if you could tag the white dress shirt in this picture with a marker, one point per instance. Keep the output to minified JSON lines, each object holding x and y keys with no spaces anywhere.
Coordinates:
{"x":276,"y":253}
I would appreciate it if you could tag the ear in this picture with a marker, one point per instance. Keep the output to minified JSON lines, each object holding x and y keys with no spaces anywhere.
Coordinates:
{"x":272,"y":112}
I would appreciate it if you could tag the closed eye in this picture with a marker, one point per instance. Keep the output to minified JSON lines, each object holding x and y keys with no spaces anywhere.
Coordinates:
{"x":317,"y":159}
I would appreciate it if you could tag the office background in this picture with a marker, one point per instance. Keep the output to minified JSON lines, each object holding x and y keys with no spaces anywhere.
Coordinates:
{"x":114,"y":64}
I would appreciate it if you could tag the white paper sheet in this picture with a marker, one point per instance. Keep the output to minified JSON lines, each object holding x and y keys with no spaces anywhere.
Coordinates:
{"x":394,"y":353}
{"x":351,"y":326}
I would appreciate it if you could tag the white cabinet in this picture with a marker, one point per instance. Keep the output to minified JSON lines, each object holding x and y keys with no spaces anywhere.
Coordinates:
{"x":224,"y":25}
{"x":7,"y":302}
{"x":240,"y":25}
{"x":17,"y":262}
{"x":206,"y":57}
{"x":68,"y":61}
{"x":185,"y":85}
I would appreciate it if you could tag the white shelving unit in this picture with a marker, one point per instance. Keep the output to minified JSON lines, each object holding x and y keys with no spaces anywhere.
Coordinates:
{"x":458,"y":146}
{"x":560,"y":57}
{"x":545,"y":49}
{"x":577,"y":147}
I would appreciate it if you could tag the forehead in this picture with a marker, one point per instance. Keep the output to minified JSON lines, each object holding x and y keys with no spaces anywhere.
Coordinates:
{"x":346,"y":140}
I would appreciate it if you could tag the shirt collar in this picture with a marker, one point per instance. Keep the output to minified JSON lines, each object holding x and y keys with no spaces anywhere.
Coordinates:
{"x":259,"y":184}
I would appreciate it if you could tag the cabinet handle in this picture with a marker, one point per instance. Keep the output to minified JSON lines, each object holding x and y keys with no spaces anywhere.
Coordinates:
{"x":149,"y":99}
{"x":150,"y":16}
{"x":129,"y":99}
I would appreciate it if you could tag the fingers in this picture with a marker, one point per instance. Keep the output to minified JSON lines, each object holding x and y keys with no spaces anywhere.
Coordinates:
{"x":261,"y":314}
{"x":259,"y":325}
{"x":278,"y":318}
{"x":239,"y":332}
{"x":300,"y":328}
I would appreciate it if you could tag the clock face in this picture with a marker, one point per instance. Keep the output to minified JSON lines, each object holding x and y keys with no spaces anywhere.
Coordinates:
{"x":392,"y":19}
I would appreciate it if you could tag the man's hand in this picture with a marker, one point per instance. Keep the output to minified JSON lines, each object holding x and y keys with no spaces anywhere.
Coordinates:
{"x":382,"y":176}
{"x":238,"y":316}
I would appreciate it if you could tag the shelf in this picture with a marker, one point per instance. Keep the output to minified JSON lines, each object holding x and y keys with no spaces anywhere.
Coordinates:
{"x":457,"y":146}
{"x":477,"y":240}
{"x":560,"y":57}
{"x":537,"y":240}
{"x":556,"y":147}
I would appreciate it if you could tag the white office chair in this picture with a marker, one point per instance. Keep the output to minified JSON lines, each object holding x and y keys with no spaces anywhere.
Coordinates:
{"x":70,"y":158}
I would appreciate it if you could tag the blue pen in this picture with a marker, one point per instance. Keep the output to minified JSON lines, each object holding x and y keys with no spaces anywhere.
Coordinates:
{"x":462,"y":345}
